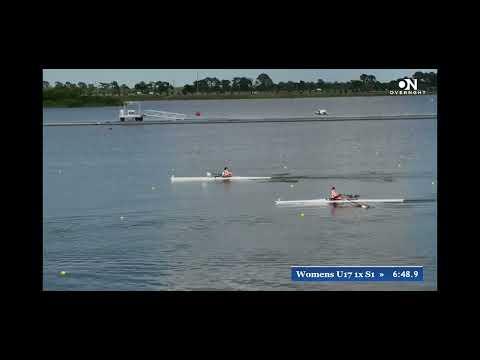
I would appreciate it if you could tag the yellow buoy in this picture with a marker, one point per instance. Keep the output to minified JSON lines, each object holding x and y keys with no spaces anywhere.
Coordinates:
{"x":291,"y":186}
{"x":63,"y":273}
{"x":153,"y":187}
{"x":121,"y":217}
{"x":302,"y":214}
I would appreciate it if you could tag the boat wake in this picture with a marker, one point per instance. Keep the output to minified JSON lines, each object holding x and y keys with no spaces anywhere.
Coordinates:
{"x":364,"y":176}
{"x":421,"y":200}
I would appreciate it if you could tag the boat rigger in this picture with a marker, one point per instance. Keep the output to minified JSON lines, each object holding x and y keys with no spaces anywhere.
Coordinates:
{"x":316,"y":202}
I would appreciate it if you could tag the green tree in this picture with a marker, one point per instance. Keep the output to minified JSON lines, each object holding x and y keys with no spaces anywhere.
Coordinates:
{"x":242,"y":84}
{"x":115,"y":88}
{"x":164,"y":87}
{"x":105,"y":88}
{"x":320,"y":84}
{"x":91,"y":89}
{"x":310,"y":86}
{"x":150,"y":87}
{"x":290,"y":86}
{"x":188,"y":89}
{"x":426,"y":79}
{"x":213,"y":84}
{"x":201,"y":85}
{"x":225,"y":85}
{"x":141,"y":87}
{"x":368,"y":81}
{"x":418,"y":75}
{"x":158,"y":87}
{"x":265,"y":83}
{"x":432,"y":79}
{"x":83,"y":87}
{"x":236,"y":84}
{"x":356,"y":85}
{"x":246,"y":84}
{"x":124,"y":89}
{"x":364,"y":78}
{"x":302,"y":86}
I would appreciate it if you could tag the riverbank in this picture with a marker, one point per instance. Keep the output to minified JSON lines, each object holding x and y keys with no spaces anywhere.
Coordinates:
{"x":84,"y":101}
{"x":92,"y":101}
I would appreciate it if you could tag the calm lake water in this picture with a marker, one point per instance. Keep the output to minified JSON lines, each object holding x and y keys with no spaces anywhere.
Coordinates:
{"x":113,"y":220}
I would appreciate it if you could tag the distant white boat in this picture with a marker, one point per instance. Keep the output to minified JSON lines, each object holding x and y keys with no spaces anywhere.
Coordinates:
{"x":321,"y":112}
{"x":127,"y":113}
{"x":130,"y":114}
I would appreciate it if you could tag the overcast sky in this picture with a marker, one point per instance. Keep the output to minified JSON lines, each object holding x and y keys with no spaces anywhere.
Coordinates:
{"x":180,"y":77}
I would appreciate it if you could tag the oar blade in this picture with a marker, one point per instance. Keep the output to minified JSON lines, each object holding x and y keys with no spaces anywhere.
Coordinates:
{"x":358,"y":204}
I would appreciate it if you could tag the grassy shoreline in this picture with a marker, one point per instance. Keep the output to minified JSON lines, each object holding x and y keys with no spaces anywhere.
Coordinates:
{"x":100,"y":101}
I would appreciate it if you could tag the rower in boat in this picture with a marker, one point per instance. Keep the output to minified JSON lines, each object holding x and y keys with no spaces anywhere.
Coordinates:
{"x":226,"y":173}
{"x":334,"y":195}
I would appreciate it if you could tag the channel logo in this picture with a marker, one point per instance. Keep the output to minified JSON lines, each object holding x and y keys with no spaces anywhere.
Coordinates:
{"x":408,"y":86}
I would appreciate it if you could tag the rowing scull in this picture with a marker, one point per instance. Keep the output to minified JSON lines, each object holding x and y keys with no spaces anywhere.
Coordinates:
{"x":218,"y":178}
{"x":315,"y":202}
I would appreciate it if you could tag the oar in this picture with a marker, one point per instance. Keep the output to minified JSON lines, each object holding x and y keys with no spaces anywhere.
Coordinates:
{"x":280,"y":174}
{"x":352,"y":196}
{"x":209,"y":174}
{"x":357,"y":204}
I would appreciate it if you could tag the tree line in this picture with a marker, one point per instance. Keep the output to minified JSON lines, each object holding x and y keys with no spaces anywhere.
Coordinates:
{"x":263,"y":83}
{"x":110,"y":88}
{"x":212,"y":85}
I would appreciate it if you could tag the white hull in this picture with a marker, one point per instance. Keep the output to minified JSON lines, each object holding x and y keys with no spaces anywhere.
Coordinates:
{"x":212,"y":178}
{"x":131,"y":118}
{"x":315,"y":202}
